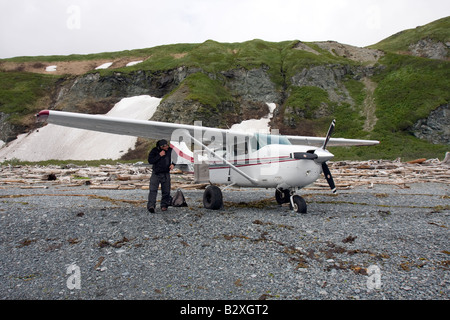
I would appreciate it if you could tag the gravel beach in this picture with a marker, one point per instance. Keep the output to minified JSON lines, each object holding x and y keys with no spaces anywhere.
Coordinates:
{"x":365,"y":243}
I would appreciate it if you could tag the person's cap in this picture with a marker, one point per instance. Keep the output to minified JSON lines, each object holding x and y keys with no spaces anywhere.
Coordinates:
{"x":161,"y":143}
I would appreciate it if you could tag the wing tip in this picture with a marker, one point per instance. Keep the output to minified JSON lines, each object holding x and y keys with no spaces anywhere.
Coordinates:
{"x":42,"y":115}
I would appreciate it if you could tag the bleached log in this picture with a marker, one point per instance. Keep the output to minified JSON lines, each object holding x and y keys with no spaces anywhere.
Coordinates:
{"x":34,"y":187}
{"x":106,"y":186}
{"x":126,"y":177}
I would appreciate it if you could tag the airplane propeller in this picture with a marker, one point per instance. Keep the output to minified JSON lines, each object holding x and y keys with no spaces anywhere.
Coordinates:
{"x":320,"y":154}
{"x":325,"y":169}
{"x":329,"y":133}
{"x":327,"y":173}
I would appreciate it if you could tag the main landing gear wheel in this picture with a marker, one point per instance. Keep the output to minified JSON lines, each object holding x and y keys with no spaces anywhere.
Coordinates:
{"x":298,"y":204}
{"x":282,"y":196}
{"x":212,"y":198}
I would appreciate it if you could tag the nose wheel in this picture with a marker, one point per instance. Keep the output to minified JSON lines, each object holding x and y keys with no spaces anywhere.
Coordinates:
{"x":296,"y":203}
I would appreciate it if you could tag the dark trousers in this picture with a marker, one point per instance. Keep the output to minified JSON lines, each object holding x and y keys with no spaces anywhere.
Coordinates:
{"x":157,"y":179}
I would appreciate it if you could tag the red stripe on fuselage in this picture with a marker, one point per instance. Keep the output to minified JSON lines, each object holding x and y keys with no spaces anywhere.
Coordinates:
{"x":257,"y":163}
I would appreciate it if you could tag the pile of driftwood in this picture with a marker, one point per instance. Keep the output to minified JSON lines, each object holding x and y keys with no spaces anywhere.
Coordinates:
{"x":346,"y":174}
{"x":120,"y":176}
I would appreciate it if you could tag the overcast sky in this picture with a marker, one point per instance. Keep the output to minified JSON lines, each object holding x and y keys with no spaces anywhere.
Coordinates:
{"x":62,"y":27}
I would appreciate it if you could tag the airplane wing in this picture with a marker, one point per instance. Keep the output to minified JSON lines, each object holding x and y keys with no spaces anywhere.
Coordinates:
{"x":131,"y":127}
{"x":165,"y":130}
{"x":147,"y":129}
{"x":333,"y":142}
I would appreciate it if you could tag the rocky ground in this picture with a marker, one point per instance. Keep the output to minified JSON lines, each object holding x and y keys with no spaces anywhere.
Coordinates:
{"x":76,"y":240}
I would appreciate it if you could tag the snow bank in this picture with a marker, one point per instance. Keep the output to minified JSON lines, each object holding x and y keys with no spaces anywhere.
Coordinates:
{"x":63,"y":143}
{"x":254,"y":125}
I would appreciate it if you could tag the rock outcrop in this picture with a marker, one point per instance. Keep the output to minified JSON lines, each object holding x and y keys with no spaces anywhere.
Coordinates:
{"x":428,"y":48}
{"x":93,"y":88}
{"x":435,"y":128}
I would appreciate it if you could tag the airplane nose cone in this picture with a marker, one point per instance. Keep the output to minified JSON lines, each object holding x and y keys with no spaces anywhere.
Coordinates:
{"x":323,"y":155}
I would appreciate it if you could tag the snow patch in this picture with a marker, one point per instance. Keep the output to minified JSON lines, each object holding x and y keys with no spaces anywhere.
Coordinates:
{"x":51,"y":68}
{"x":53,"y":142}
{"x":133,"y":63}
{"x":104,"y":66}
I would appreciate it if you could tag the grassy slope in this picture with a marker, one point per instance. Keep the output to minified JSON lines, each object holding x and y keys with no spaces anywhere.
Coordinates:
{"x":408,"y":90}
{"x":399,"y":42}
{"x":21,"y":93}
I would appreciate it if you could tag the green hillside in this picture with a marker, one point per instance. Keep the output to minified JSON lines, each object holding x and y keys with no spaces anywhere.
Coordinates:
{"x":311,"y":83}
{"x":437,"y":31}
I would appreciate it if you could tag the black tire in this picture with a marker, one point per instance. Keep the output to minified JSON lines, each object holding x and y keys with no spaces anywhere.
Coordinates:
{"x":299,"y":204}
{"x":212,"y":198}
{"x":282,"y":196}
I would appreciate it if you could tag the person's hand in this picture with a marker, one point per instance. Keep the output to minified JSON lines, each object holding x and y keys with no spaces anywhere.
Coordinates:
{"x":171,"y":167}
{"x":162,"y":153}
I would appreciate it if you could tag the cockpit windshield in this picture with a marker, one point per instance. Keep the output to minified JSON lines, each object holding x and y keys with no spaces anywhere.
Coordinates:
{"x":260,"y":140}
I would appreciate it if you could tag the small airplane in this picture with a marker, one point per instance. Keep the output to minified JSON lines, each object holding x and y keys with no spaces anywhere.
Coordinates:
{"x":233,"y":157}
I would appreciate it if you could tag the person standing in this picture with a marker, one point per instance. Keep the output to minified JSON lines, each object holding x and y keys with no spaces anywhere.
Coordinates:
{"x":161,"y":159}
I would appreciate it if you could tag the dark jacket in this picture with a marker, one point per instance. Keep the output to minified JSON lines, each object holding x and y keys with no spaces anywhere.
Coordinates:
{"x":160,"y":164}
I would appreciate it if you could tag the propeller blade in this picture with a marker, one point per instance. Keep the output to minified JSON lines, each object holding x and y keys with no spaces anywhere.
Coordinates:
{"x":329,"y":133}
{"x":327,"y":173}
